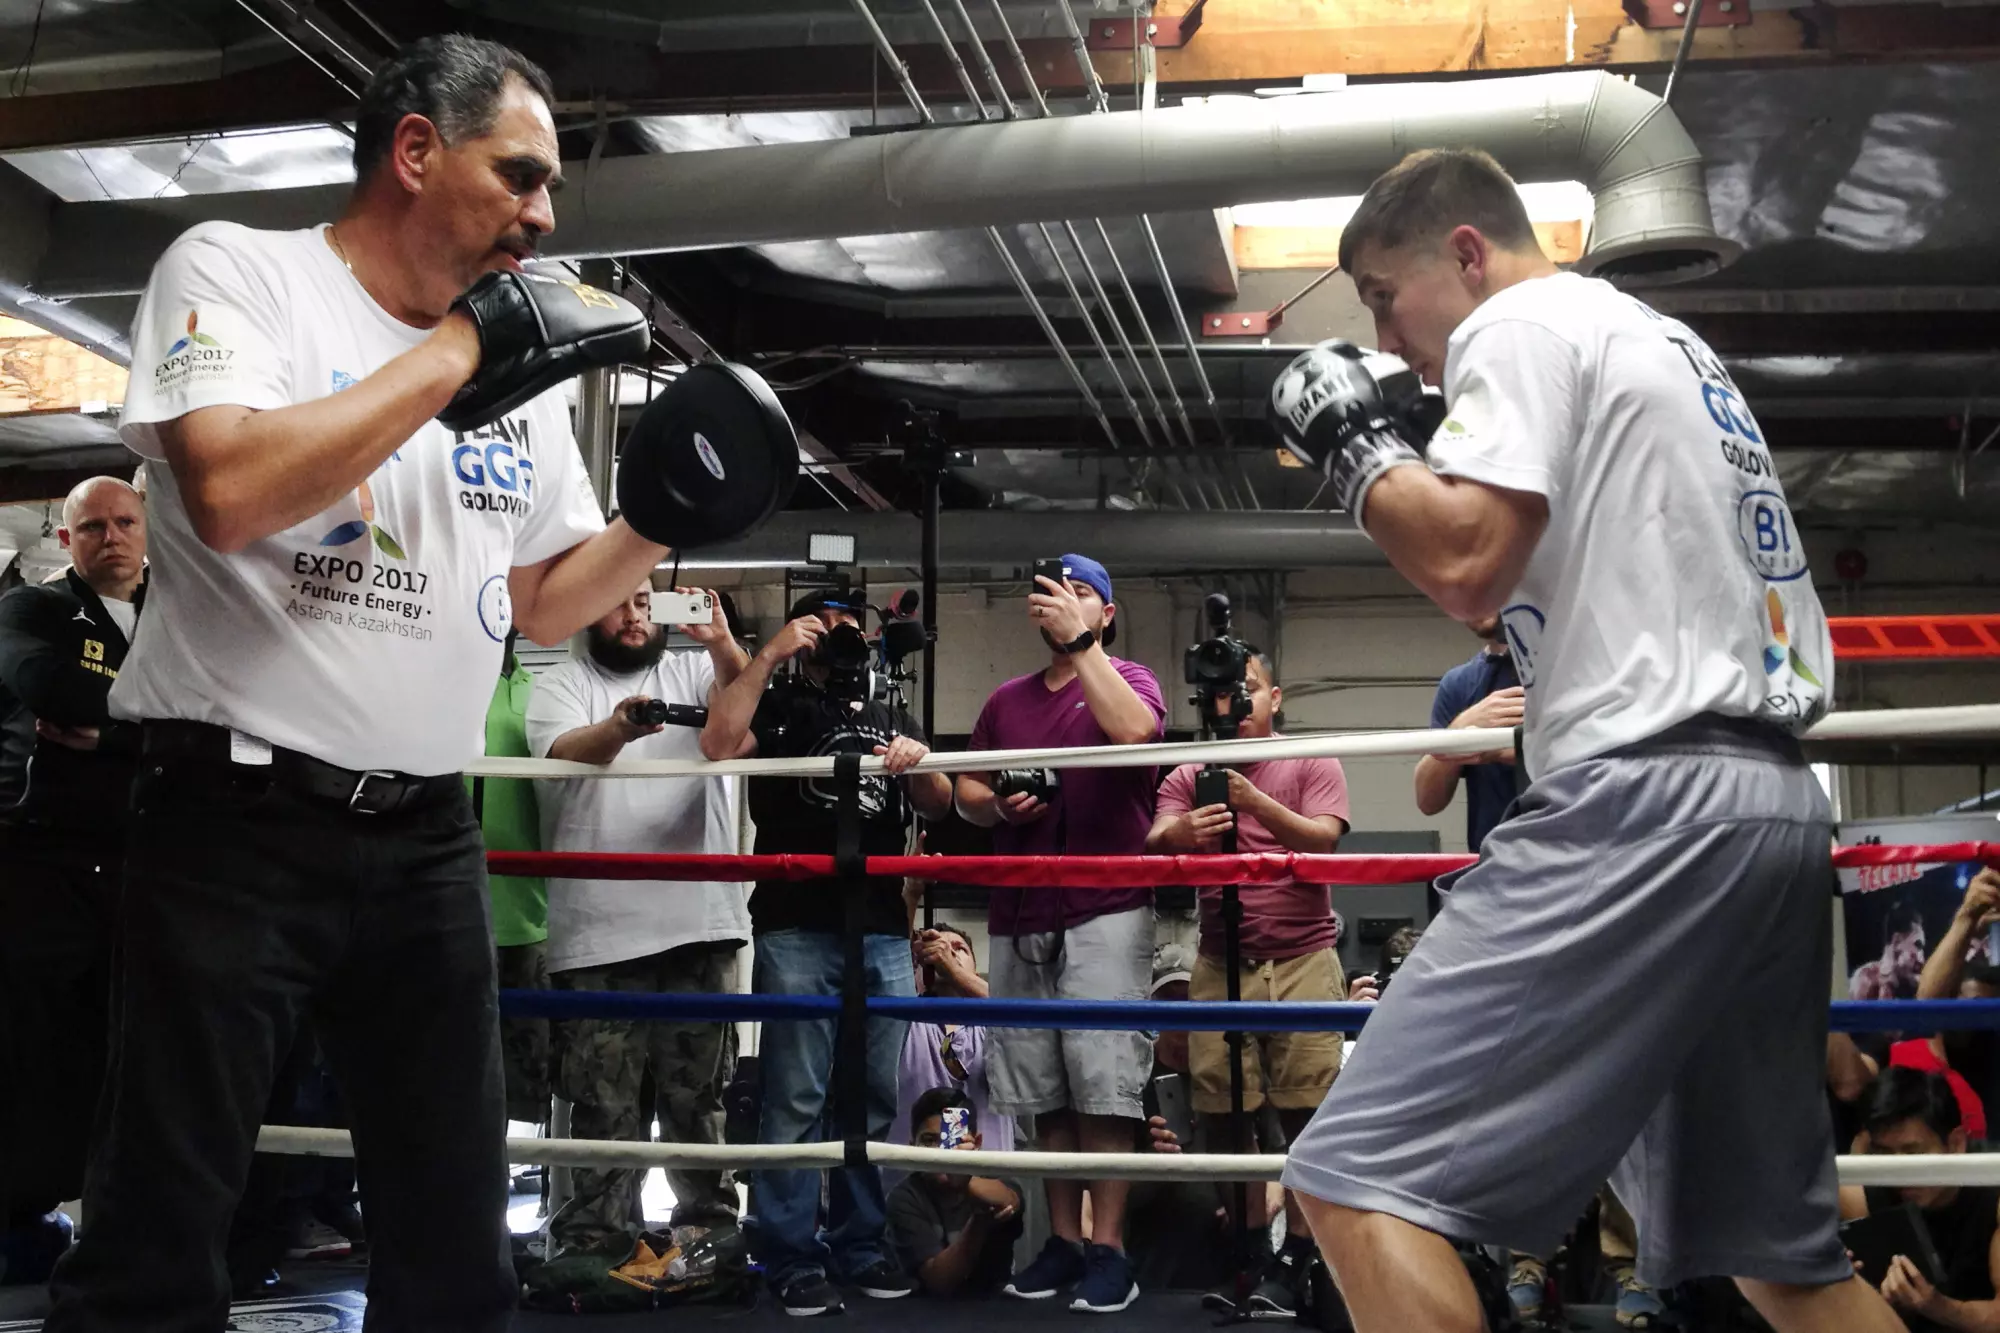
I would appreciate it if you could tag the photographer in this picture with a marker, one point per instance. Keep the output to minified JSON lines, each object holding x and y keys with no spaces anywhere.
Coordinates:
{"x":824,"y":709}
{"x":1083,"y":1088}
{"x":604,"y":936}
{"x":1913,"y":1112}
{"x":1962,"y":966}
{"x":1285,"y":951}
{"x":955,"y":1233}
{"x":950,"y":1054}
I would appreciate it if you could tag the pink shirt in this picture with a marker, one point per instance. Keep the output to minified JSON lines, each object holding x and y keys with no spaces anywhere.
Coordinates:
{"x":1100,"y":812}
{"x":1286,"y":918}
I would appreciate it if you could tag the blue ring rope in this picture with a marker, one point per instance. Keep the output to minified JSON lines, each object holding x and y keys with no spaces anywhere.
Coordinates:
{"x":1920,"y":1016}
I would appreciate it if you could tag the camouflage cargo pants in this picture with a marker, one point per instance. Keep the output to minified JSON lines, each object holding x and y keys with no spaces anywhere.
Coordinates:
{"x":618,"y":1074}
{"x":524,"y":1042}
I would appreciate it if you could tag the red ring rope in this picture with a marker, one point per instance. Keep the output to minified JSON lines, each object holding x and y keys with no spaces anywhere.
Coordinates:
{"x":1103,"y":872}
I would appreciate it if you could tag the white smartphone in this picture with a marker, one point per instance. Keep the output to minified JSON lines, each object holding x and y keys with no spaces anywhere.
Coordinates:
{"x":682,"y":608}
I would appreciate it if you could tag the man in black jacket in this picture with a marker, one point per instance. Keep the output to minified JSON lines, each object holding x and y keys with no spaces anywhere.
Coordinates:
{"x":65,"y":776}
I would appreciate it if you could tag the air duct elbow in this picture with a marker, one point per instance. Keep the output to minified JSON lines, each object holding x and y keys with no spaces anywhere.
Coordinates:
{"x":1651,"y":223}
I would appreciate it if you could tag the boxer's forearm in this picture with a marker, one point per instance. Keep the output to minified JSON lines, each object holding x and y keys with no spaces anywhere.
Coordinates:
{"x":1463,"y":543}
{"x":244,"y":475}
{"x":559,"y":596}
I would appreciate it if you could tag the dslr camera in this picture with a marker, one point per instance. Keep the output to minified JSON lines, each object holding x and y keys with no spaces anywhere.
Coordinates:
{"x":1219,"y":666}
{"x":1044,"y":784}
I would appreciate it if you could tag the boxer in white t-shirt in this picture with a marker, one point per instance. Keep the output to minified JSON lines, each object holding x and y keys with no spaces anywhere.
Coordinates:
{"x":1634,"y":975}
{"x":334,"y":574}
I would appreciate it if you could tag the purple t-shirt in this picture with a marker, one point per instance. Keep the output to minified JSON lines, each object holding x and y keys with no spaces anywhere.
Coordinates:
{"x":1099,"y":812}
{"x":924,"y":1067}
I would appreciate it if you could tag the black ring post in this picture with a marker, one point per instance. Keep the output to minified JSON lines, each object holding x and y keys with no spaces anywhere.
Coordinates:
{"x":1239,"y":1128}
{"x":850,"y":1062}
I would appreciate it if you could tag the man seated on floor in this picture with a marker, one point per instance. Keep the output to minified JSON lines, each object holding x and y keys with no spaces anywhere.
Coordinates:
{"x":1911,"y":1111}
{"x":956,"y":1234}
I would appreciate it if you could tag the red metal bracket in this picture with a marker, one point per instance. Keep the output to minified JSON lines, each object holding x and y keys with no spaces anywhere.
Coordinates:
{"x":1914,"y":638}
{"x":1162,"y":34}
{"x":1241,"y":323}
{"x":1673,"y":13}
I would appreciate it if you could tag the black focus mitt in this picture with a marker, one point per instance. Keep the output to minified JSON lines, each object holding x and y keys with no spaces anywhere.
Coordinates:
{"x":709,"y":460}
{"x":534,"y":333}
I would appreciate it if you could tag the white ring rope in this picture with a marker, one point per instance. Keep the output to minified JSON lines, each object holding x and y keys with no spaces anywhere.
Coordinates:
{"x":1966,"y":722}
{"x":1962,"y":1169}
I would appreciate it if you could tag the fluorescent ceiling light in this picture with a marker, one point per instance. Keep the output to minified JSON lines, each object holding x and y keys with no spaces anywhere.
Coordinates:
{"x":1552,"y":201}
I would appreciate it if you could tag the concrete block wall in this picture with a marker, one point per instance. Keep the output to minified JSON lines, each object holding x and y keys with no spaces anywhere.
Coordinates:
{"x":1360,"y":650}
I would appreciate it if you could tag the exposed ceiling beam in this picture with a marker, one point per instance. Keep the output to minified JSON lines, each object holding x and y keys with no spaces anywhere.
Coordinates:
{"x":25,"y":485}
{"x":1047,"y":424}
{"x":289,"y":92}
{"x":780,"y":324}
{"x":1271,"y":41}
{"x":1241,"y":45}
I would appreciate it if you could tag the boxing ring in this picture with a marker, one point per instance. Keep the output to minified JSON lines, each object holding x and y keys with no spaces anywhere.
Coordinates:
{"x":851,"y":1009}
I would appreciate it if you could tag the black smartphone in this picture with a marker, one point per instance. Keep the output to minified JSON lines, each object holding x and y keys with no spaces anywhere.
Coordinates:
{"x":1211,"y":787}
{"x":1878,"y":1238}
{"x":1054,"y":570}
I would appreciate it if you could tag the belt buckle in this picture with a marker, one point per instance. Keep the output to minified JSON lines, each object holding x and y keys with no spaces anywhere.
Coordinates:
{"x":357,"y":803}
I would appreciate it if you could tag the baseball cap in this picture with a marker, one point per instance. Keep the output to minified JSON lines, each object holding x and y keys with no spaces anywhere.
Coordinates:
{"x":1084,"y":570}
{"x":828,"y":599}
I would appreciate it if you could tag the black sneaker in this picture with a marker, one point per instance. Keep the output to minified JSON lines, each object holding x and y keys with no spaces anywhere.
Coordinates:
{"x":1275,"y":1298}
{"x":809,"y":1293}
{"x":883,"y":1280}
{"x":1220,"y":1299}
{"x":1281,"y":1288}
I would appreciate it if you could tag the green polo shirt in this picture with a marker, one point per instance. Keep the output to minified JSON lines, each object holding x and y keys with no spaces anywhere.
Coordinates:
{"x":509,"y":817}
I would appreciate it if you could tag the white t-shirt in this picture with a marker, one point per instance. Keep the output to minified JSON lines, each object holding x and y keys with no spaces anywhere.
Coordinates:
{"x":593,"y":922}
{"x":123,"y":614}
{"x":1671,"y":580}
{"x":369,"y":635}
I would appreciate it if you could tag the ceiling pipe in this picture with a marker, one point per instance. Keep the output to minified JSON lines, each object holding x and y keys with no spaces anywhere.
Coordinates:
{"x":27,"y":226}
{"x":1652,"y":216}
{"x":1149,"y":541}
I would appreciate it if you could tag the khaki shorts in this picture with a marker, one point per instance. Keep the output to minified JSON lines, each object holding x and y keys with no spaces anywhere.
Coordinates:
{"x":1292,"y":1069}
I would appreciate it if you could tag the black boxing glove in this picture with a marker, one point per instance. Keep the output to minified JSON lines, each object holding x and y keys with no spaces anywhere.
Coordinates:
{"x":1354,"y":413}
{"x":534,"y":333}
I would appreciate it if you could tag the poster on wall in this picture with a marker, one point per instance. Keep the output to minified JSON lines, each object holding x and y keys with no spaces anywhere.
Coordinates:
{"x":1895,"y":915}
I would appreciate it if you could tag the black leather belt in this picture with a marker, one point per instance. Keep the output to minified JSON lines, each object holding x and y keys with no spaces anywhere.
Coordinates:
{"x":373,"y":791}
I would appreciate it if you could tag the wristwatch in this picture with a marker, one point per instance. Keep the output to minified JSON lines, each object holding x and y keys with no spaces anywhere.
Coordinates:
{"x":1079,"y":643}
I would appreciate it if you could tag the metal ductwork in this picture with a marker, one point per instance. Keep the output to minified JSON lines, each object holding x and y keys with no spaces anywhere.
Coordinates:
{"x":27,"y":220}
{"x":1129,"y":541}
{"x":1652,"y":214}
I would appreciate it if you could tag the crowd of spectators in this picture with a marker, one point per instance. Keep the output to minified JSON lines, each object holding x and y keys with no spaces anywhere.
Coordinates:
{"x":1094,"y":1244}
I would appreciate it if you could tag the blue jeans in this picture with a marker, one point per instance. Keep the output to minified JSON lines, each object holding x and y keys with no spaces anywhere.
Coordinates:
{"x":796,"y":1059}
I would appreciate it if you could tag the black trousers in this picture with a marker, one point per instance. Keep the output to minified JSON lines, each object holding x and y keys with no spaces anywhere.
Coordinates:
{"x":248,"y":907}
{"x":58,"y":903}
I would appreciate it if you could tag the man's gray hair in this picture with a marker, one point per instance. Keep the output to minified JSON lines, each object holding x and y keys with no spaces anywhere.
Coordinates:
{"x":453,"y":81}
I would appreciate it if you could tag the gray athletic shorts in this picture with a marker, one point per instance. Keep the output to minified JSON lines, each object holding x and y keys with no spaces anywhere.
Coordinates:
{"x":1634,"y":976}
{"x":1030,"y":1071}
